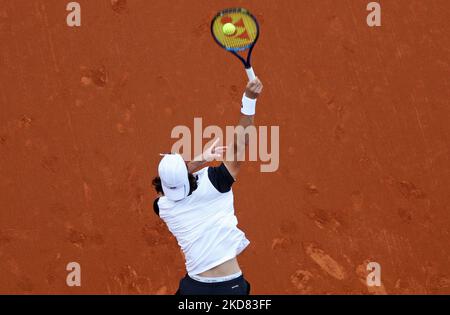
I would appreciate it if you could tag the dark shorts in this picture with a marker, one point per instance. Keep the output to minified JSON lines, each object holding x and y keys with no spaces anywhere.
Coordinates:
{"x":238,"y":286}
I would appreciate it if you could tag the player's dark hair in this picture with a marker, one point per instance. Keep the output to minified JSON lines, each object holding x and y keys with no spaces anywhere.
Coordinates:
{"x":156,"y":182}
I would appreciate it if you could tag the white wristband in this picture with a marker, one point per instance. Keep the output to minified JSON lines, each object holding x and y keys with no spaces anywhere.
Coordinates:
{"x":248,"y":106}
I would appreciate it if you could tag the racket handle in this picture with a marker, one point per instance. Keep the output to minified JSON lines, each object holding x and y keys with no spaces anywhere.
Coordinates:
{"x":250,"y":73}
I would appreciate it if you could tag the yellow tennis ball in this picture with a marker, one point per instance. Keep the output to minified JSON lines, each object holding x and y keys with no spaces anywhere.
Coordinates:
{"x":229,"y":29}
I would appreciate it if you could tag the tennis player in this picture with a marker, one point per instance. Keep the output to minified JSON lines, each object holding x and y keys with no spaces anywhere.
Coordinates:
{"x":197,"y":207}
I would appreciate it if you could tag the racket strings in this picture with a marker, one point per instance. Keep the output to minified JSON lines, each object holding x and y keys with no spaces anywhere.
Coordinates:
{"x":245,"y":34}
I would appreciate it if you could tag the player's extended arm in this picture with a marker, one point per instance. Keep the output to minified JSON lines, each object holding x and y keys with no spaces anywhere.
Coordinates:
{"x":240,"y":140}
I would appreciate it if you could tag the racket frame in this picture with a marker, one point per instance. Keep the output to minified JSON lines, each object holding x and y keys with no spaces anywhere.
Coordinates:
{"x":247,"y":62}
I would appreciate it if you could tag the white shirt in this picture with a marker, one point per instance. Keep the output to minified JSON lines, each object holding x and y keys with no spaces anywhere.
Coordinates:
{"x":204,"y":225}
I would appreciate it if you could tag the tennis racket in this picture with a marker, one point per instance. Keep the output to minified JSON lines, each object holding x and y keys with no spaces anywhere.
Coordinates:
{"x":244,"y":37}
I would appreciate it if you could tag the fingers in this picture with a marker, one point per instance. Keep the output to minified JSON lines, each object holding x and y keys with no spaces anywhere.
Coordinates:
{"x":213,"y":148}
{"x":258,"y":88}
{"x":219,"y":153}
{"x":255,"y":86}
{"x":214,"y":152}
{"x":255,"y":81}
{"x":251,"y":83}
{"x":220,"y":150}
{"x":215,"y":143}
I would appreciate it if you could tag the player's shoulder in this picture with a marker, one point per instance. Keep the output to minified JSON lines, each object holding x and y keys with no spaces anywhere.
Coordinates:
{"x":220,"y":178}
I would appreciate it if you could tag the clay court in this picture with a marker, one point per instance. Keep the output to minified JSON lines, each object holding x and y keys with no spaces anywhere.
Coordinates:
{"x":364,"y":143}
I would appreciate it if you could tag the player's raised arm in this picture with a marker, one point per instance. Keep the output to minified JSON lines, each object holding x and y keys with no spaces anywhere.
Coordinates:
{"x":236,"y":155}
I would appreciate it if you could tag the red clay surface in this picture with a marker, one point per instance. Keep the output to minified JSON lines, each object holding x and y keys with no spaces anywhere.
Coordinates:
{"x":364,"y":122}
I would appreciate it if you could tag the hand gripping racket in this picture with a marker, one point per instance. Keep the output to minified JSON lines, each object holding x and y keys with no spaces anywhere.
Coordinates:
{"x":236,"y":30}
